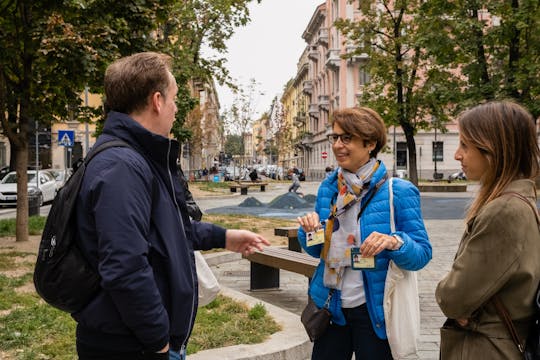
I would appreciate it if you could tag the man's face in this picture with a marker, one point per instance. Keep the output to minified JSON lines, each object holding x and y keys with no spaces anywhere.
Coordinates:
{"x":168,"y":108}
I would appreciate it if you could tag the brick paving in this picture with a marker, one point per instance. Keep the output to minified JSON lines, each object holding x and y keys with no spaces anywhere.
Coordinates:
{"x":292,"y":295}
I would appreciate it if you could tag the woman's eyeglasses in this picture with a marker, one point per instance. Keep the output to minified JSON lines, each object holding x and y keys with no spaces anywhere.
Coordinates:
{"x":345,"y":138}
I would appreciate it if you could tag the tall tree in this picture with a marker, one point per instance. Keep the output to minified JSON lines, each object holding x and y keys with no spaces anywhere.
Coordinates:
{"x":191,"y":26}
{"x":495,"y":44}
{"x":50,"y":51}
{"x":240,"y":116}
{"x":406,"y":88}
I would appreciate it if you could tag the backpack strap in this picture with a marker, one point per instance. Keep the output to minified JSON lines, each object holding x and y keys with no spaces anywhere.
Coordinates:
{"x":104,"y":146}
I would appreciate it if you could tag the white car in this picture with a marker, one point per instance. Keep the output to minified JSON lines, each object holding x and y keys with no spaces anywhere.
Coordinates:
{"x":46,"y":191}
{"x":60,"y":176}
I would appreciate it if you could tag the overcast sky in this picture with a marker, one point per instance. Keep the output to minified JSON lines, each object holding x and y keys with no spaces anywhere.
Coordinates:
{"x":268,"y":48}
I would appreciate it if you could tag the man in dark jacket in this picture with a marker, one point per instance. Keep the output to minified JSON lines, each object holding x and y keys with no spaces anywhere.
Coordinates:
{"x":134,"y":224}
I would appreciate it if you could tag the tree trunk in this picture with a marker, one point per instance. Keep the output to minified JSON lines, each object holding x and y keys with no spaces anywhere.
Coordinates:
{"x":411,"y":147}
{"x":21,"y":227}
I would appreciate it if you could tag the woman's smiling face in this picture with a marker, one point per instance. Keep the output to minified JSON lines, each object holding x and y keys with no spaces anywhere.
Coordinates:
{"x":355,"y":154}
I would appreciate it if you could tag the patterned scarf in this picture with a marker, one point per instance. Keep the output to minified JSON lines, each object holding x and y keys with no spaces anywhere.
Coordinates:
{"x":342,"y":229}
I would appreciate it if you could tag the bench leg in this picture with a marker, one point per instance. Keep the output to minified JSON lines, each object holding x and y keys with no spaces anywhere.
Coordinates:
{"x":233,"y":189}
{"x":263,"y":188}
{"x":263,"y":277}
{"x":243,"y":191}
{"x":294,"y":245}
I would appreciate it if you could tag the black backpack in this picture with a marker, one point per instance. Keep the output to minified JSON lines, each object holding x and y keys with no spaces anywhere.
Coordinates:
{"x":62,"y":275}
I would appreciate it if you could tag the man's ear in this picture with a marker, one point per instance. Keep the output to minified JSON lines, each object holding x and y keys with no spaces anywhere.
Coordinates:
{"x":155,"y":100}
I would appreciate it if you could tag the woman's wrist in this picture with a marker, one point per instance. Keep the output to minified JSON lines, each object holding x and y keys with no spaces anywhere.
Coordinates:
{"x":398,"y":241}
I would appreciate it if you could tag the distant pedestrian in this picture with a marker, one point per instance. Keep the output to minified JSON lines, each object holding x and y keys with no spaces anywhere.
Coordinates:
{"x":498,"y":253}
{"x":295,"y":183}
{"x":253,"y":175}
{"x":328,"y":171}
{"x":353,"y":217}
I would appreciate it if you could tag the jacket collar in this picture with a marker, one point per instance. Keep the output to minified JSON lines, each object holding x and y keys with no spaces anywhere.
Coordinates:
{"x":156,"y":147}
{"x":526,"y":187}
{"x":377,"y":176}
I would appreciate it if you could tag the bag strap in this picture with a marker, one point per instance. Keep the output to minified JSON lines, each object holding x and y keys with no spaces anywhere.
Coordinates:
{"x":391,"y":200}
{"x":507,"y":320}
{"x":373,"y":192}
{"x":497,"y":302}
{"x":521,"y":197}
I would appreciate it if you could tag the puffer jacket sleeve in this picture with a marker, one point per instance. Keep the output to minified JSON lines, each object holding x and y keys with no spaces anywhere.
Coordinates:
{"x":416,"y":250}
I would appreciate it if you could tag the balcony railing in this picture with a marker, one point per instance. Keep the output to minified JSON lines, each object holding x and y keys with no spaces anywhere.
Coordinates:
{"x":308,"y":87}
{"x":314,"y":110}
{"x":324,"y":102}
{"x":299,"y":119}
{"x":322,"y":37}
{"x":355,"y":55}
{"x":332,"y":59}
{"x":313,"y":53}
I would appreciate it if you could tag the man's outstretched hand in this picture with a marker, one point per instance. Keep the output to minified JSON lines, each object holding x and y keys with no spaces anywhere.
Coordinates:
{"x":244,"y":241}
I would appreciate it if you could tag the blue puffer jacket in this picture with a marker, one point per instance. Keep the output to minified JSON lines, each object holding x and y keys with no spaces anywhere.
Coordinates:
{"x":135,"y":230}
{"x":414,"y":254}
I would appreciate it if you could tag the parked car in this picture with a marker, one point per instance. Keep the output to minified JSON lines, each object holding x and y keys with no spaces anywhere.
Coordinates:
{"x":46,"y":190}
{"x":4,"y":170}
{"x":460,"y":175}
{"x":60,"y":176}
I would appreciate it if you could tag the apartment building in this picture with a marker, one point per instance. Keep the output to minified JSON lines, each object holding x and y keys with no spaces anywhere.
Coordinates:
{"x":202,"y":150}
{"x":331,"y":81}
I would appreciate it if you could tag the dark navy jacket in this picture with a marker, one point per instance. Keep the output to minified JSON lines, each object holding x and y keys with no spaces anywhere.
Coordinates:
{"x":135,"y":230}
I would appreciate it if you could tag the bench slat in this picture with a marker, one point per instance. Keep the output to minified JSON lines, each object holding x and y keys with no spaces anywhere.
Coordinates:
{"x":285,"y":259}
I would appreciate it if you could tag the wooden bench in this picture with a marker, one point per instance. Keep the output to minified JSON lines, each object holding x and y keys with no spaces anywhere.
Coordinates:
{"x":243,"y":186}
{"x":291,"y":233}
{"x":265,"y":266}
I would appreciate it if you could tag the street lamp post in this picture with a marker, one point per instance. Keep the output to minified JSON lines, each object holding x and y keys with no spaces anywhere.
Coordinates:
{"x":37,"y":154}
{"x":394,"y":140}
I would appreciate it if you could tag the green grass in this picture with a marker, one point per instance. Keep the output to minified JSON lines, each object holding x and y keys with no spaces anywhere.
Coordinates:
{"x":210,"y":186}
{"x":242,"y":221}
{"x":225,"y":322}
{"x":35,"y":226}
{"x":31,"y":329}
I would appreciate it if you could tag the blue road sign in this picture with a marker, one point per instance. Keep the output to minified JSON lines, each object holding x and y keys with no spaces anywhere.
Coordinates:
{"x":66,"y":138}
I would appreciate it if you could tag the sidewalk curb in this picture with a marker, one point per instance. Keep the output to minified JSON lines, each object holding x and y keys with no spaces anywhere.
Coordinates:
{"x":291,"y":343}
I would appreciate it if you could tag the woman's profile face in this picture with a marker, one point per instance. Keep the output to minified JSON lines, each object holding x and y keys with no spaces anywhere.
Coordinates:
{"x":352,"y":155}
{"x":473,"y":163}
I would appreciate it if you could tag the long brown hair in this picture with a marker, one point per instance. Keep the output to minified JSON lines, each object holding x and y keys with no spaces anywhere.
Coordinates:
{"x":504,"y":132}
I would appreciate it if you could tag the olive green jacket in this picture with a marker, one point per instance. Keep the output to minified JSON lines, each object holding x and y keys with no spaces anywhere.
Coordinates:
{"x":498,"y":255}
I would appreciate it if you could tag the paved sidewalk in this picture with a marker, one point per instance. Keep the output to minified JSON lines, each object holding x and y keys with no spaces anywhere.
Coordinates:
{"x":292,"y":296}
{"x":444,"y":235}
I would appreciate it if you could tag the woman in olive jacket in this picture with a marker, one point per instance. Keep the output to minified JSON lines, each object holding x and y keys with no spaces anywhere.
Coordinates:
{"x":498,"y":253}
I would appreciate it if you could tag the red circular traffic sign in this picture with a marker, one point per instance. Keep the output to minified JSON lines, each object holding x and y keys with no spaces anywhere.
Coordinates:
{"x":324,"y":154}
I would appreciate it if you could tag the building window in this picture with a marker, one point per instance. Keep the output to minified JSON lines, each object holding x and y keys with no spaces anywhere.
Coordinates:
{"x":438,"y":151}
{"x":363,"y":75}
{"x":401,"y":155}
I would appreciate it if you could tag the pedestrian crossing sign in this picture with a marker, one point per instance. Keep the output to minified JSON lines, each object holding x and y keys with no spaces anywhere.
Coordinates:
{"x":66,"y":138}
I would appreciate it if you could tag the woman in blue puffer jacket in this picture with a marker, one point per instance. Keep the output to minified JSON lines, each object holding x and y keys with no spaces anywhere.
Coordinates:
{"x":350,"y":232}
